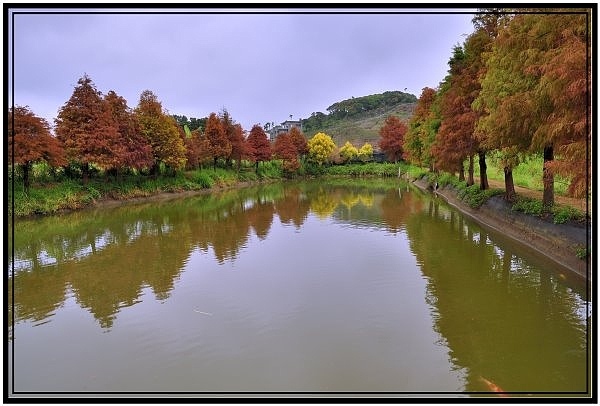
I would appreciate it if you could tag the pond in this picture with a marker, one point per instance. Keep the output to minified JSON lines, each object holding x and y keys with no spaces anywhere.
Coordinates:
{"x":341,"y":287}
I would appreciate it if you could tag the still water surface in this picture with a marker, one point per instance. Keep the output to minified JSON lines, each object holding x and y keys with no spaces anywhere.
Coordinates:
{"x":299,"y":287}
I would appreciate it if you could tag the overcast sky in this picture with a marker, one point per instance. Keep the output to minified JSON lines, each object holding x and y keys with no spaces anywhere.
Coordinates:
{"x":261,"y":67}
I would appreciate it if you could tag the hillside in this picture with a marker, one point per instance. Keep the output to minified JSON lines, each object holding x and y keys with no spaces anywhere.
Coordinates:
{"x":358,"y":120}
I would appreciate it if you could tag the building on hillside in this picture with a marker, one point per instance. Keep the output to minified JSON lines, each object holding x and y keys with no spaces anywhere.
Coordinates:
{"x":284,"y":127}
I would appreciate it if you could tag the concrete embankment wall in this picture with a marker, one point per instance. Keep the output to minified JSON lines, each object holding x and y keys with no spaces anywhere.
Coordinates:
{"x":557,"y":242}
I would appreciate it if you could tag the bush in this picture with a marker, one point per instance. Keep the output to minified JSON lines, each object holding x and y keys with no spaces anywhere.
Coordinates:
{"x":528,"y":206}
{"x":202,"y":178}
{"x":475,"y":197}
{"x":562,"y":214}
{"x":270,"y":170}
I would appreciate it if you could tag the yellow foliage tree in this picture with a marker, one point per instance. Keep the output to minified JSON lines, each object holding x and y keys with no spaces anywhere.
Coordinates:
{"x":348,"y":152}
{"x":365,"y":153}
{"x":320,"y":147}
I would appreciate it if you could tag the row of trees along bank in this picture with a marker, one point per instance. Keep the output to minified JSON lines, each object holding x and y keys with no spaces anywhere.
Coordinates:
{"x":518,"y":85}
{"x":100,"y":132}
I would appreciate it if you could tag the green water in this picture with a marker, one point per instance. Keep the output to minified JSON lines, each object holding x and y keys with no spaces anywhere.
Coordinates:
{"x":297,"y":288}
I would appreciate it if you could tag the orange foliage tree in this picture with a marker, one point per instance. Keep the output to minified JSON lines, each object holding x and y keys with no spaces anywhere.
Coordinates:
{"x":136,"y":151}
{"x":535,"y":94}
{"x":235,"y":138}
{"x":455,"y":140}
{"x":299,"y":141}
{"x":160,"y":129}
{"x":30,"y":141}
{"x":88,"y":132}
{"x":392,"y":138}
{"x":219,"y":144}
{"x":284,"y":149}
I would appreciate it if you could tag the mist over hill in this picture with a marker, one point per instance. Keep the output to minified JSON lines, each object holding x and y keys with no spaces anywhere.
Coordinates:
{"x":359,"y":119}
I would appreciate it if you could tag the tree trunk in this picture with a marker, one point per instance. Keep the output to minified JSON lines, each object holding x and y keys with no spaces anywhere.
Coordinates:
{"x":215,"y":164}
{"x":85,"y":172}
{"x":548,"y":178}
{"x":257,"y":167}
{"x":471,"y":180}
{"x":155,"y":169}
{"x":461,"y":173}
{"x":26,"y":182}
{"x":483,"y":181}
{"x":509,"y":185}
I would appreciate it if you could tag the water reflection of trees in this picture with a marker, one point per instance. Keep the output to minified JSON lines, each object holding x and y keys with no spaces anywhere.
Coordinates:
{"x":106,"y":258}
{"x":512,"y":339}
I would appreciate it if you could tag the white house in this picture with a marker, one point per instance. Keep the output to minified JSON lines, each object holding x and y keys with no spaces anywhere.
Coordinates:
{"x":284,"y":127}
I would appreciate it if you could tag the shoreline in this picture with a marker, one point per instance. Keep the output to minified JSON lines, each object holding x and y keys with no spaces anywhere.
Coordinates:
{"x":111,"y":202}
{"x":556,"y":242}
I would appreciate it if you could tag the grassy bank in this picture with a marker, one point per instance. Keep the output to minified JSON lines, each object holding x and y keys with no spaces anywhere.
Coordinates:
{"x":50,"y":197}
{"x":47,"y":196}
{"x":475,"y":197}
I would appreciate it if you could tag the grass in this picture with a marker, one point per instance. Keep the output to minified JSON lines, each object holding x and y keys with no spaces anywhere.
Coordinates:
{"x":48,"y":196}
{"x":70,"y":194}
{"x":560,"y":213}
{"x":362,"y":169}
{"x":527,"y":174}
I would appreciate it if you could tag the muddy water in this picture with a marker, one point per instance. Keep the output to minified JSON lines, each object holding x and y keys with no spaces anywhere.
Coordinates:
{"x":340,"y":287}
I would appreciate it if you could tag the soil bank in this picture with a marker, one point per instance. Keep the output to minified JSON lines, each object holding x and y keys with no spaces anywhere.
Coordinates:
{"x":557,"y":242}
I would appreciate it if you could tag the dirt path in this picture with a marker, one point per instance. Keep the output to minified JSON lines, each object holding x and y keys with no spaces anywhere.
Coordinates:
{"x":567,"y":201}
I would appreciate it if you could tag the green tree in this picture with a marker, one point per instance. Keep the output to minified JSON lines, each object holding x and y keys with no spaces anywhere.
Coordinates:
{"x":422,"y":128}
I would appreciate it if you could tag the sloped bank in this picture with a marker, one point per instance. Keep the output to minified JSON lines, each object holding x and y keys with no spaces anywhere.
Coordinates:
{"x":558,"y":242}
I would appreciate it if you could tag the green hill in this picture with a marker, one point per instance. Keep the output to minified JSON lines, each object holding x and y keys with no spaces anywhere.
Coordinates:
{"x":358,"y":120}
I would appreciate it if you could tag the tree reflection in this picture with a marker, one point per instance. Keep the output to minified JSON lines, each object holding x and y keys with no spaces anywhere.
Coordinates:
{"x":107,"y":258}
{"x":491,"y":335}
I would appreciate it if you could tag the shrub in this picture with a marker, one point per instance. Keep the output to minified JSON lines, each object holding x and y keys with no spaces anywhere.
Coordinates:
{"x":528,"y":206}
{"x":582,"y":252}
{"x":475,"y":197}
{"x":202,"y":178}
{"x":562,"y":214}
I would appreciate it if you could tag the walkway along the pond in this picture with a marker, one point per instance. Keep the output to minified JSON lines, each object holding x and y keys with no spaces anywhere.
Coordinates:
{"x":558,"y":242}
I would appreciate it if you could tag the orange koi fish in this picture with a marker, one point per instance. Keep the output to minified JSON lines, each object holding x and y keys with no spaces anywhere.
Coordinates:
{"x":493,"y":387}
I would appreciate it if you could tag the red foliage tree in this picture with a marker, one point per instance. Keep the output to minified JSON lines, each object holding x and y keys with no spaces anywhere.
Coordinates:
{"x":85,"y":126}
{"x":30,"y":141}
{"x":284,"y":149}
{"x":137,"y":152}
{"x":299,"y":141}
{"x":235,"y":138}
{"x":217,"y":139}
{"x":259,"y":147}
{"x":392,"y":138}
{"x":197,"y":148}
{"x":455,"y":140}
